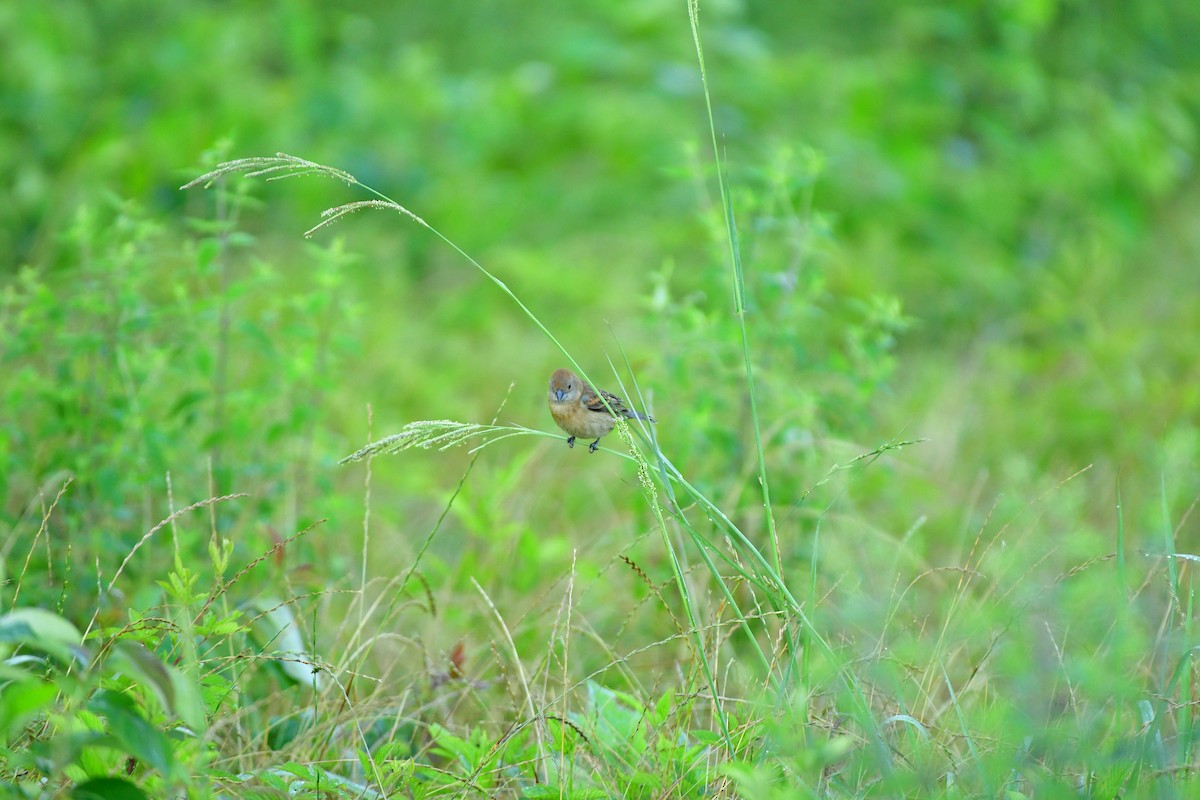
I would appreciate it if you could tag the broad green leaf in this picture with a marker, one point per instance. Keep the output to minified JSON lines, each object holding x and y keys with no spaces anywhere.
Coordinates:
{"x":140,"y":739}
{"x":107,"y":789}
{"x":135,"y":659}
{"x":178,"y":695}
{"x":42,"y":630}
{"x":21,"y":700}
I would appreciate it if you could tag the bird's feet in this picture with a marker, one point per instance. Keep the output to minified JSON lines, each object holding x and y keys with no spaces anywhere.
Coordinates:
{"x":571,"y":442}
{"x":592,"y":447}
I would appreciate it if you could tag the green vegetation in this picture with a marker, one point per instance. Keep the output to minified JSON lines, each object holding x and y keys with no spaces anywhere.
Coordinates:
{"x":911,"y":292}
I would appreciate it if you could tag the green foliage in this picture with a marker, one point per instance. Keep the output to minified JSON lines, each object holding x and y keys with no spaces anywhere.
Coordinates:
{"x":643,"y":752}
{"x":972,"y":224}
{"x":70,"y":713}
{"x":137,"y":370}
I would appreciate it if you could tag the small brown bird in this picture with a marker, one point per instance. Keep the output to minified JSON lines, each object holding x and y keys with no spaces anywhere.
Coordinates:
{"x":578,"y":409}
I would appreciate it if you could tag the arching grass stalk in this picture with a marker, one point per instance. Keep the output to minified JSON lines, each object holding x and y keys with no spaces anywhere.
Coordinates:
{"x":282,"y":165}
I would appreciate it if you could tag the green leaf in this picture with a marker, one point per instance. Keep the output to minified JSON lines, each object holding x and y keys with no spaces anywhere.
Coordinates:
{"x":41,"y":630}
{"x":617,"y":720}
{"x":135,"y":659}
{"x":189,"y":704}
{"x":21,"y":700}
{"x":107,"y":789}
{"x":140,"y":739}
{"x":302,"y":771}
{"x":178,"y":695}
{"x":662,"y":709}
{"x":454,"y":746}
{"x":52,"y":756}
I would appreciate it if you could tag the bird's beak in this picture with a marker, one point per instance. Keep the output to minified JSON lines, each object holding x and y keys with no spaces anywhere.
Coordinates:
{"x":560,"y":394}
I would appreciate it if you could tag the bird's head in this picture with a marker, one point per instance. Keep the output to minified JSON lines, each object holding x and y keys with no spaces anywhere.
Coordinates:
{"x":565,"y":386}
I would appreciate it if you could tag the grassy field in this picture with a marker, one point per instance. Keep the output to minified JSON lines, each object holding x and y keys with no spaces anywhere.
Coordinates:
{"x":911,"y":292}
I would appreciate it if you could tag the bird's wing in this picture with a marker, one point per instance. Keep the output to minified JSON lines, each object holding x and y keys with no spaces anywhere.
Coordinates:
{"x":614,"y":402}
{"x":592,"y":402}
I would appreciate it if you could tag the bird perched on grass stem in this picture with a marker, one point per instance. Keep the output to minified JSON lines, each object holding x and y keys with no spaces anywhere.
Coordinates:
{"x":578,"y":409}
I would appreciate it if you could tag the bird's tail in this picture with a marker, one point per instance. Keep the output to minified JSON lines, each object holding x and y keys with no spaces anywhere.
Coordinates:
{"x":630,"y":414}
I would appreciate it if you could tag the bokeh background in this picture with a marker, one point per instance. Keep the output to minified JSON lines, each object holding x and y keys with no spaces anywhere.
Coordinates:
{"x":974,"y":223}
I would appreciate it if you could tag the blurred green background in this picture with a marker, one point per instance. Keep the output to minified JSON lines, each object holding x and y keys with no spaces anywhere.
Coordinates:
{"x":968,"y":222}
{"x":972,"y":223}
